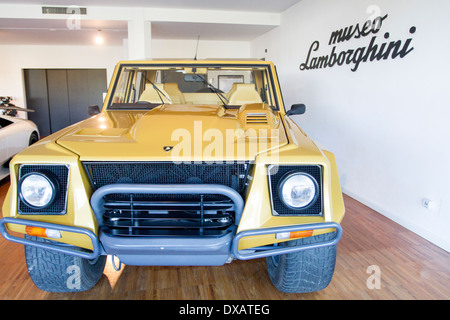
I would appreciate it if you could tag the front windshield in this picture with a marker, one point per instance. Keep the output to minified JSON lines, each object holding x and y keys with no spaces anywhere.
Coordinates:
{"x":148,"y":86}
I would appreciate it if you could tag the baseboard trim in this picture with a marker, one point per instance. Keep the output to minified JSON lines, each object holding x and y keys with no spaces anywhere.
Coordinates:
{"x":426,"y":234}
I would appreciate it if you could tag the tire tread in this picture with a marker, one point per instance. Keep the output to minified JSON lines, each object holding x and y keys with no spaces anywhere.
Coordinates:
{"x":304,"y":271}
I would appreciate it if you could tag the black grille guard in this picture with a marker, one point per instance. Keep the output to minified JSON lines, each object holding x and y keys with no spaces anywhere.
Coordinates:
{"x":98,"y":200}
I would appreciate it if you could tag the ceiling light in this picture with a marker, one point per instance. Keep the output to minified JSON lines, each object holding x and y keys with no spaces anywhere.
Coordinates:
{"x":99,"y":37}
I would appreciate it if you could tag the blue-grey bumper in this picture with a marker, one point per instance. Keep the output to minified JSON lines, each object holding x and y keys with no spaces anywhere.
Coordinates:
{"x":186,"y":250}
{"x":173,"y":251}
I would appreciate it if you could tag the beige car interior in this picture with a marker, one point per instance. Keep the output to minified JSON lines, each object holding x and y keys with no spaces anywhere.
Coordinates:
{"x":240,"y":93}
{"x":153,"y":95}
{"x":243,"y":93}
{"x":175,"y":94}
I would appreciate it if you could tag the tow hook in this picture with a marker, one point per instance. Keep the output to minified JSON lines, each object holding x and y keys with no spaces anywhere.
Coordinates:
{"x":113,"y":262}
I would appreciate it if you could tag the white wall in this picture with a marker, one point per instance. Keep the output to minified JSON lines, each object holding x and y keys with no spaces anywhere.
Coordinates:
{"x":388,"y":123}
{"x":15,"y":58}
{"x":207,"y":49}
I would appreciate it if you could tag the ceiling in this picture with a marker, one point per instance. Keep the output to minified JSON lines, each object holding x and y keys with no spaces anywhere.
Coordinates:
{"x":53,"y":31}
{"x":57,"y":32}
{"x":274,"y":6}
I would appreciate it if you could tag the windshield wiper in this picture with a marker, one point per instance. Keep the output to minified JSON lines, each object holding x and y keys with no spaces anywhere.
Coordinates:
{"x":158,"y":91}
{"x":219,"y":94}
{"x":215,"y":90}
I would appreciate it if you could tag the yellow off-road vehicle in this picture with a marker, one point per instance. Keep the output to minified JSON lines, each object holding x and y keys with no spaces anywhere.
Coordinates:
{"x":187,"y":163}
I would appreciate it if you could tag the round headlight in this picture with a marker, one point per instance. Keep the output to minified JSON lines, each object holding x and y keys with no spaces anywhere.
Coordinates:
{"x":37,"y":190}
{"x":298,"y":190}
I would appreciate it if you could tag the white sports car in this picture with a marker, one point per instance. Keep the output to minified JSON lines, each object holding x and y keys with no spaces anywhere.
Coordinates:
{"x":15,"y":135}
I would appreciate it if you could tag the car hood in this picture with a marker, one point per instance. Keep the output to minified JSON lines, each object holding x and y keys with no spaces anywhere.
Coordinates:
{"x":177,"y":133}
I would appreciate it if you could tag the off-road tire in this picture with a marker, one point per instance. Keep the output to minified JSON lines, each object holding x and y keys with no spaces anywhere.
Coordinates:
{"x":304,"y":271}
{"x":52,"y":271}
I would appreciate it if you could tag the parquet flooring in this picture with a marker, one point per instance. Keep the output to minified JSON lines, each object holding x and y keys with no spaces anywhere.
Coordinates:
{"x":409,"y":266}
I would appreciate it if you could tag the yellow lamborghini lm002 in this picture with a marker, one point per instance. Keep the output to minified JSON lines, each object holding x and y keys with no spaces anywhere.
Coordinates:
{"x":187,"y":163}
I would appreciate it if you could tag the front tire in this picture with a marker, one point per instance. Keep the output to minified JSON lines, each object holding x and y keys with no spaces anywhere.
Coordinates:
{"x":53,"y":271}
{"x":304,"y":271}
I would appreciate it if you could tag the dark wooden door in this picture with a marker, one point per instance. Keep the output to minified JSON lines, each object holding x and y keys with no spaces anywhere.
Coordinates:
{"x":86,"y":87}
{"x":37,"y":99}
{"x":58,"y":102}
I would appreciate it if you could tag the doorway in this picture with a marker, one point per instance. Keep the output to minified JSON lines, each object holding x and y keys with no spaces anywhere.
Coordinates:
{"x":60,"y":97}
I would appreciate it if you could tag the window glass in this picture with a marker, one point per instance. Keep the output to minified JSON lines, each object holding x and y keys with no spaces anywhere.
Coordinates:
{"x":226,"y":81}
{"x":147,"y":86}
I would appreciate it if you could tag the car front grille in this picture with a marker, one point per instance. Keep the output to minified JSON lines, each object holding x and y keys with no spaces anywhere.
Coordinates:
{"x":233,"y":175}
{"x":167,"y":218}
{"x":168,"y":214}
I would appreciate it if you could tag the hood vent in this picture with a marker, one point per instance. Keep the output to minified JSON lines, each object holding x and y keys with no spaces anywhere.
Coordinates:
{"x":64,"y":10}
{"x":256,"y":118}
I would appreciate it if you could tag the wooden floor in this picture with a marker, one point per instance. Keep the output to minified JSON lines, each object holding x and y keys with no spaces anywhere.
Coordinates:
{"x":409,"y":268}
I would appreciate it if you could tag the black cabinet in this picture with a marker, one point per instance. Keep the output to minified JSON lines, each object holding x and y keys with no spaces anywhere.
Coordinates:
{"x":60,"y":97}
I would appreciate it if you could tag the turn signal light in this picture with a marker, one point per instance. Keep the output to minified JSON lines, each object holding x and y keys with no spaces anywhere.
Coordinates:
{"x":294,"y":234}
{"x":42,"y":232}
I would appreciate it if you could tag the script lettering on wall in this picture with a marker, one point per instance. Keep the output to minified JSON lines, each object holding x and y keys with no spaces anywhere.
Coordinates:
{"x":354,"y":57}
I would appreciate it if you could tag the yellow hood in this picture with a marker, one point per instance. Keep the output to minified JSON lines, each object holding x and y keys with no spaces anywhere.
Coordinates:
{"x":177,"y":133}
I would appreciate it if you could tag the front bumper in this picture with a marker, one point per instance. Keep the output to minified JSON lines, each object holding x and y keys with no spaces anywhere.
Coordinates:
{"x":71,"y":250}
{"x":171,"y":251}
{"x":196,"y":248}
{"x":267,"y":251}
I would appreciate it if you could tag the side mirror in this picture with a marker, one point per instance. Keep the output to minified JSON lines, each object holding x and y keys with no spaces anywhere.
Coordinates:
{"x":296,"y":109}
{"x":93,"y":110}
